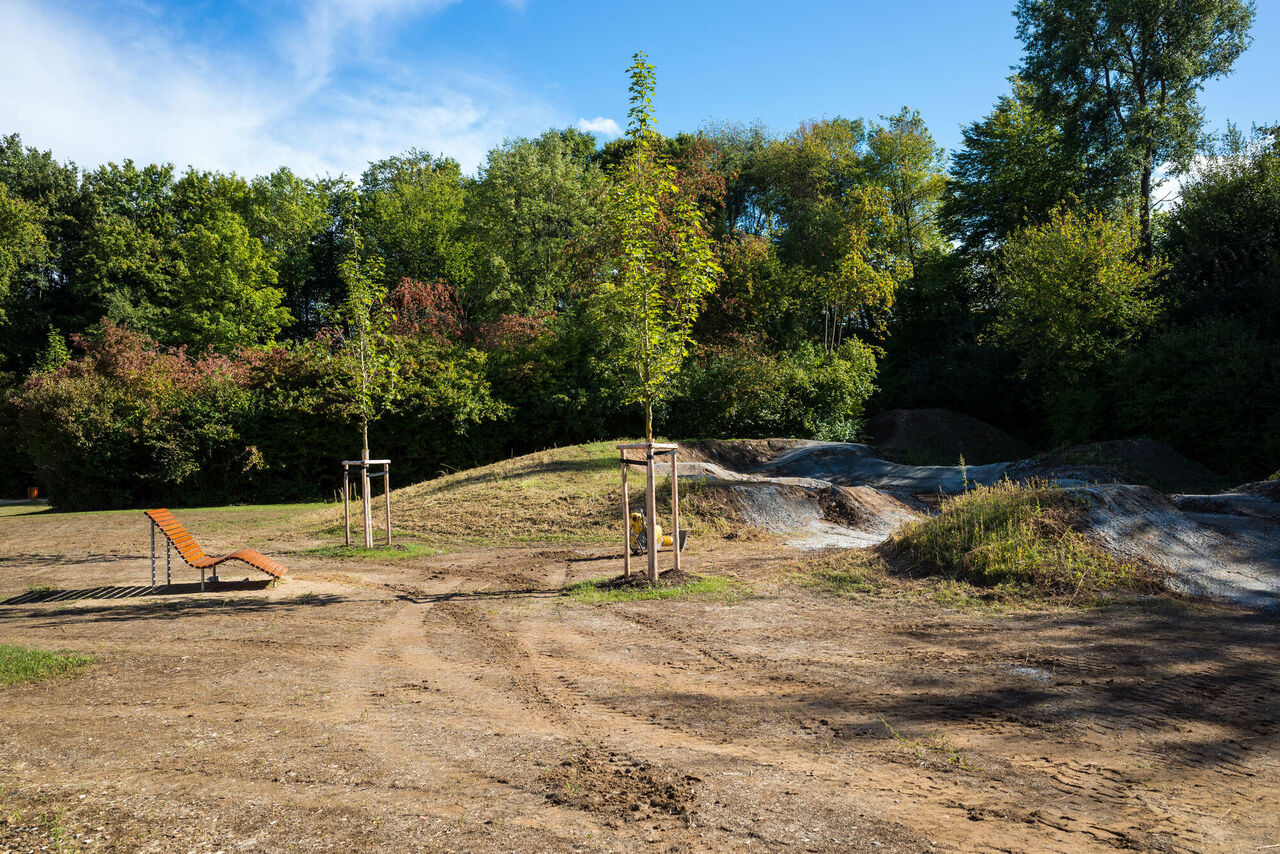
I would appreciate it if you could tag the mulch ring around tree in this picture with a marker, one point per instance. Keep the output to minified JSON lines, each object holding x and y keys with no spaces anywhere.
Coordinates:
{"x":639,"y":579}
{"x":609,"y":782}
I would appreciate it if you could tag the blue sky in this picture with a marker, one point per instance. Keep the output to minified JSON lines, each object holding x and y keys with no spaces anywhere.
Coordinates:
{"x":326,"y":85}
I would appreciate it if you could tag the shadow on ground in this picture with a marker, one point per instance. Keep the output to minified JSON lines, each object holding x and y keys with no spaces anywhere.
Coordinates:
{"x":34,"y":597}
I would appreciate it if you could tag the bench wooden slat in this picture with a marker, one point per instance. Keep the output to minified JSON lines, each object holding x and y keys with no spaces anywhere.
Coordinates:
{"x":195,"y":556}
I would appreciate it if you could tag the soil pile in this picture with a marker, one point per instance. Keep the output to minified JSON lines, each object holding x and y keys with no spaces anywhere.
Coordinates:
{"x":941,"y":437}
{"x":634,"y":789}
{"x":1143,"y":461}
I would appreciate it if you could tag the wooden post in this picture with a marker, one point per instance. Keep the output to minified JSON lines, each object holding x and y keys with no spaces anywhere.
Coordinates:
{"x":346,"y":504}
{"x":386,"y":490}
{"x":675,"y":510}
{"x":651,"y":514}
{"x":626,"y":520}
{"x":365,"y":500}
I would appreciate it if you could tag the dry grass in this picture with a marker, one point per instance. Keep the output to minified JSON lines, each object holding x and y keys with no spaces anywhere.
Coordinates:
{"x":563,"y":495}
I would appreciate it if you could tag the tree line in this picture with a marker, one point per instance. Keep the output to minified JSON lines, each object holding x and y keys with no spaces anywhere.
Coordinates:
{"x":181,"y":335}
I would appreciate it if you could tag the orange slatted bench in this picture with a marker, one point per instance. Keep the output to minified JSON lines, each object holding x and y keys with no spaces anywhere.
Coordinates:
{"x":180,"y":538}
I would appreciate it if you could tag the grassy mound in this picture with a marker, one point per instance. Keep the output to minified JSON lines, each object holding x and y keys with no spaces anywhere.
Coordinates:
{"x":20,"y":664}
{"x":1024,"y":538}
{"x":563,"y":495}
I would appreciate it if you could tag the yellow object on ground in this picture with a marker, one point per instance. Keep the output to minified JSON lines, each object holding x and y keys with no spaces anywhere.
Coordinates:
{"x":640,"y":537}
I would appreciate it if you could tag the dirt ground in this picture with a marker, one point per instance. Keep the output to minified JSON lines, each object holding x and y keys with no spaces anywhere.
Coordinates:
{"x":460,"y":702}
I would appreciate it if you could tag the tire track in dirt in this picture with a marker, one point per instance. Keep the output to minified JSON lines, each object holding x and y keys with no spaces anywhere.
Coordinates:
{"x":882,"y":788}
{"x":1106,"y":805}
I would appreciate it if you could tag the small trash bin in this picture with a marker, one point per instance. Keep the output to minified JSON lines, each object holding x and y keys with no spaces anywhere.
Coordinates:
{"x":33,"y":492}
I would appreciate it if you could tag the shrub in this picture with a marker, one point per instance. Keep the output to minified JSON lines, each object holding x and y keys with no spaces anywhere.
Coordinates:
{"x":1208,"y":390}
{"x":128,"y":423}
{"x":741,"y":391}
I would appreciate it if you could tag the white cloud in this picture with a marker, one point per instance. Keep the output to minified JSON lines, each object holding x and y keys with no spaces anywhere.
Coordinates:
{"x":93,"y":96}
{"x":600,"y":125}
{"x":332,"y":27}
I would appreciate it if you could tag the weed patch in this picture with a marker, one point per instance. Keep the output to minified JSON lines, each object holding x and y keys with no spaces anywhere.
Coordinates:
{"x":1023,"y":538}
{"x":933,"y":750}
{"x":842,"y":572}
{"x":20,"y":664}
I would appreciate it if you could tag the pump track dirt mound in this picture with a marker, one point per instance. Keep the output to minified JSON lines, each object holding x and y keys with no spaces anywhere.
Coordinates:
{"x":827,"y":494}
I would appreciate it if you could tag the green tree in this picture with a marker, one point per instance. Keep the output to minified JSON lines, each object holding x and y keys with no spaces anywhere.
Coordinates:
{"x":905,"y":161}
{"x":1122,"y":76}
{"x":412,"y":217}
{"x":228,"y":295}
{"x":1224,"y":238}
{"x":533,"y":199}
{"x":864,"y":280}
{"x":22,"y":241}
{"x":121,"y":258}
{"x":837,"y":234}
{"x":1074,"y":292}
{"x":291,"y":216}
{"x":666,"y":264}
{"x":1013,"y":169}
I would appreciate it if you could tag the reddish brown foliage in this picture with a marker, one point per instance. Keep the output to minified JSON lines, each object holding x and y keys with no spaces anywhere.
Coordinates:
{"x":513,"y":330}
{"x":426,"y":308}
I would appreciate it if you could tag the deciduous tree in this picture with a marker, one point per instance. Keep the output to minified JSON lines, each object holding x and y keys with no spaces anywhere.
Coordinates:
{"x":1122,"y":76}
{"x":666,"y":264}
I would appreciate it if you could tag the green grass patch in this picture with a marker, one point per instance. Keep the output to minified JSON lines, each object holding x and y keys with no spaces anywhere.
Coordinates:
{"x":20,"y":664}
{"x":1021,"y":538}
{"x":608,"y":590}
{"x":396,"y":551}
{"x":275,"y":509}
{"x":842,"y":572}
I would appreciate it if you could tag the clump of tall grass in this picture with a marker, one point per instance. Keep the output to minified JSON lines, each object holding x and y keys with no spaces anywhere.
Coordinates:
{"x":1024,"y":537}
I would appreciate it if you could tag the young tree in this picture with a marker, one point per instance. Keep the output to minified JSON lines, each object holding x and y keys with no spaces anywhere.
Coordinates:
{"x":1122,"y":75}
{"x":665,"y":265}
{"x":365,"y":354}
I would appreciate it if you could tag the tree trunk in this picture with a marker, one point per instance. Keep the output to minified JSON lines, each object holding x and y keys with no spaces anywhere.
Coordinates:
{"x":1144,"y":221}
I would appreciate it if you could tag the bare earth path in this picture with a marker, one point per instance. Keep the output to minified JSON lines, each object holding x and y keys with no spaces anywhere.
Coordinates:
{"x":460,"y":703}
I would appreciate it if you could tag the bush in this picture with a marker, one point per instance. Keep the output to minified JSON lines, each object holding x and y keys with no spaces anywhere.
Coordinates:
{"x":1208,"y":390}
{"x":739,"y":391}
{"x":127,"y":423}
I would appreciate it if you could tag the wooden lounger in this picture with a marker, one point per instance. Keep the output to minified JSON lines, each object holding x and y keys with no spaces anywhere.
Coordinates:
{"x":191,"y":552}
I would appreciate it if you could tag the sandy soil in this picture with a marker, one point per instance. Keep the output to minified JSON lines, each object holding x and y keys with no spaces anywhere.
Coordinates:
{"x":461,"y":703}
